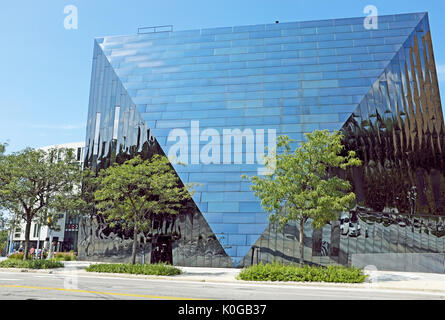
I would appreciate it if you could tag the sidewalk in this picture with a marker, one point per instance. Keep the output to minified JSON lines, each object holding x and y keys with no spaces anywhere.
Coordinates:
{"x":426,"y":282}
{"x":431,"y":282}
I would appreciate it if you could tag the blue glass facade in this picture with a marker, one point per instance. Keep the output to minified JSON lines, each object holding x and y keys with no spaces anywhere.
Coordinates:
{"x":183,"y":90}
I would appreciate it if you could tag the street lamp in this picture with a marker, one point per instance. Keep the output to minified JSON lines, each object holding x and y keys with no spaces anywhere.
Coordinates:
{"x":412,"y":197}
{"x":50,"y":243}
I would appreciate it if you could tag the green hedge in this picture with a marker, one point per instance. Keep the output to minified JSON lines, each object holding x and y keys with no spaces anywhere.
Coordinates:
{"x":147,"y":269}
{"x":279,"y":272}
{"x":30,"y":264}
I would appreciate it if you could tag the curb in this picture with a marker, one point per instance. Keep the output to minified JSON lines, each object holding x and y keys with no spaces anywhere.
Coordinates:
{"x":18,"y":270}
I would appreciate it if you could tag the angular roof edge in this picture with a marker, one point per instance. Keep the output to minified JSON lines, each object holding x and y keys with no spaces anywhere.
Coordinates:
{"x":292,"y":24}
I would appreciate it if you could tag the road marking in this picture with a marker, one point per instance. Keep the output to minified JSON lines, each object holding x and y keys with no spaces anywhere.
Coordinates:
{"x":99,"y":292}
{"x":10,"y":279}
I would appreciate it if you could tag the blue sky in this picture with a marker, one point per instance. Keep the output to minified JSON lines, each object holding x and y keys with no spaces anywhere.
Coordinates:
{"x":45,"y":69}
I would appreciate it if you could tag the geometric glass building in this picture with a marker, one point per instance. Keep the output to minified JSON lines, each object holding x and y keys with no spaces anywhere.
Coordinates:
{"x":215,"y":99}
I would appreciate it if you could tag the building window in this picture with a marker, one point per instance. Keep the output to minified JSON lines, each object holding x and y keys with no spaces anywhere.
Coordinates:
{"x":36,"y":233}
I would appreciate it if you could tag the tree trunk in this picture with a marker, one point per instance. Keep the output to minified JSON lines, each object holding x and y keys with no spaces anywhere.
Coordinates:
{"x":135,"y":243}
{"x":301,"y":242}
{"x":27,"y":232}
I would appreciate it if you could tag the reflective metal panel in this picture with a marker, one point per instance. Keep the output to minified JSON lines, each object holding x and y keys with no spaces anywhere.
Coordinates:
{"x":378,"y":86}
{"x":398,"y":132}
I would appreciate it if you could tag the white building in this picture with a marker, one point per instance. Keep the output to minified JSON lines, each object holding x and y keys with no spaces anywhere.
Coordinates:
{"x":40,"y":236}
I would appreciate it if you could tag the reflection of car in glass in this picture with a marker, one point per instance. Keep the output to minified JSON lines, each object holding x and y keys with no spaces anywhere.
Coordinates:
{"x":369,"y":220}
{"x":403,"y":221}
{"x":344,"y":224}
{"x":378,"y":217}
{"x":355,"y":230}
{"x":386,"y":219}
{"x":408,"y":221}
{"x":363,"y":215}
{"x":373,"y":217}
{"x":393,"y":219}
{"x":344,"y":227}
{"x":417,"y":223}
{"x":439,"y":231}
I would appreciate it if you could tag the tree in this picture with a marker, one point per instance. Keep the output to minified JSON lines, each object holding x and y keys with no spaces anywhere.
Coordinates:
{"x":302,"y":184}
{"x":3,"y":235}
{"x":128,"y":193}
{"x":3,"y":229}
{"x":2,"y":148}
{"x":83,"y":202}
{"x":36,"y":185}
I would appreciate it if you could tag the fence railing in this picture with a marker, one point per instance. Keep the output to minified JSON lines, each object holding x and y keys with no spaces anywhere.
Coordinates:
{"x":155,"y":29}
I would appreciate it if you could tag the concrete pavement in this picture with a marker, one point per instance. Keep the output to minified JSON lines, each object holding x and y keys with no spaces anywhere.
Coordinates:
{"x":77,"y":286}
{"x":380,"y":280}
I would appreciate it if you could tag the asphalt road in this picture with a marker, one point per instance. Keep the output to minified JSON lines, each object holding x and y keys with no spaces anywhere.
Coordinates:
{"x":27,"y":285}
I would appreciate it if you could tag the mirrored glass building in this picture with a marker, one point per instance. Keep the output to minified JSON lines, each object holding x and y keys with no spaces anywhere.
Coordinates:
{"x":215,"y":99}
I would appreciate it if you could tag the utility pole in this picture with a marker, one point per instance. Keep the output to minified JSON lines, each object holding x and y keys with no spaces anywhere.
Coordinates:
{"x":8,"y":243}
{"x":11,"y":228}
{"x":50,"y":253}
{"x":38,"y":239}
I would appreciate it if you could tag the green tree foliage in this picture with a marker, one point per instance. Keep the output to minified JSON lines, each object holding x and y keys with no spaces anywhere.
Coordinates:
{"x":83,"y":202}
{"x":3,"y":242}
{"x":302,"y":185}
{"x":128,"y":193}
{"x":3,"y":224}
{"x":2,"y":148}
{"x":36,"y":185}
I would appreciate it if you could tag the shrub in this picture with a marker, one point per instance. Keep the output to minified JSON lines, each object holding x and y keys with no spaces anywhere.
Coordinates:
{"x":280,"y":272}
{"x":147,"y":269}
{"x":30,"y":264}
{"x":64,"y":256}
{"x":18,"y":256}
